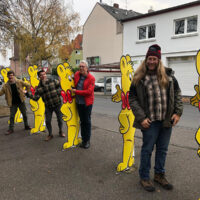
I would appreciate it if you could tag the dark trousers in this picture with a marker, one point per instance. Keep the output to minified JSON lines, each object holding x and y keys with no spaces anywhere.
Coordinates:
{"x":13,"y":110}
{"x":48,"y":116}
{"x":85,"y":118}
{"x":159,"y":136}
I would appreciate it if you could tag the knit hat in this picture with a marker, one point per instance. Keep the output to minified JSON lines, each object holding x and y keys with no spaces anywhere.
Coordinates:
{"x":154,"y":50}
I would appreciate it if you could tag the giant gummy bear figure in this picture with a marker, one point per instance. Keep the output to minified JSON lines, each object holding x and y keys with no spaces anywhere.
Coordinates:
{"x":126,"y":117}
{"x":68,"y":109}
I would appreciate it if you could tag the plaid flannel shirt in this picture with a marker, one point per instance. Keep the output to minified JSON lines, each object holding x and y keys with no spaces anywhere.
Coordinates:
{"x":157,"y":98}
{"x":50,"y":92}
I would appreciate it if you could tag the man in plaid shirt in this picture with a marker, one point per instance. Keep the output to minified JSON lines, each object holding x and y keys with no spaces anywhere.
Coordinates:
{"x":50,"y":92}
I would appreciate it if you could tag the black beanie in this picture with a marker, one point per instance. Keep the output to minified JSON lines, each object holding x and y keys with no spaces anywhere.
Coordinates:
{"x":154,"y":50}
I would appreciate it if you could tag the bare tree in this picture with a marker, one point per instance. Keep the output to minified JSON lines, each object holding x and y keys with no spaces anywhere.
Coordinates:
{"x":40,"y":27}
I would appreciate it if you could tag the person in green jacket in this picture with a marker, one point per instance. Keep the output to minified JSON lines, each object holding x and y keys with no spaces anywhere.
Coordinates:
{"x":15,"y":97}
{"x":155,"y":99}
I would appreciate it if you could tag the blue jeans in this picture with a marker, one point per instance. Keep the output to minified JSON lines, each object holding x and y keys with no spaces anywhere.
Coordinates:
{"x":159,"y":136}
{"x":85,"y":118}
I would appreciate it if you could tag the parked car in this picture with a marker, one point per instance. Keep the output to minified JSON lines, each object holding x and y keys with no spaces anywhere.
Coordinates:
{"x":99,"y":85}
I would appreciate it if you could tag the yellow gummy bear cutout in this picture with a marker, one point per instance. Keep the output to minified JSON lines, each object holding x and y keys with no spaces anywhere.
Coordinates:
{"x":18,"y":115}
{"x":195,"y":100}
{"x":68,"y":109}
{"x":126,"y":117}
{"x":37,"y":107}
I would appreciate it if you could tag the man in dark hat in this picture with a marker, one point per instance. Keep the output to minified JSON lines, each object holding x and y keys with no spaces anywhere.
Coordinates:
{"x":155,"y":99}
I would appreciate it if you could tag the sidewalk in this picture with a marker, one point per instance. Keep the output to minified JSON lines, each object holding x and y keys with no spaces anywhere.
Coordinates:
{"x":32,"y":169}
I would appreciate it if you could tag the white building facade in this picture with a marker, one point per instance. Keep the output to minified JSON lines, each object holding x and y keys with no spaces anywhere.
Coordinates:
{"x":177,"y":31}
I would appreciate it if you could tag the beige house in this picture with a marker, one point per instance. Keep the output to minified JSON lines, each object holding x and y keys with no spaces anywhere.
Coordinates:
{"x":103,"y":34}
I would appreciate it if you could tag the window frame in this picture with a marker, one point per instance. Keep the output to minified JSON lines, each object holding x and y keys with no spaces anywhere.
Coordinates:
{"x":77,"y":60}
{"x":185,"y":19}
{"x":147,"y":32}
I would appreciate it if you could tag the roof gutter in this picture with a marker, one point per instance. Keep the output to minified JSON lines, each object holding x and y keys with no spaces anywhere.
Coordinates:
{"x":188,"y":5}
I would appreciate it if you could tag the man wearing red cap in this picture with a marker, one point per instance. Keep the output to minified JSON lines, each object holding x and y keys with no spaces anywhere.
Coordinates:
{"x":155,"y":99}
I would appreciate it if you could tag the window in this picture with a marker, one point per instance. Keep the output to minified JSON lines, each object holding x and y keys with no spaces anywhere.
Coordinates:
{"x":77,"y":52}
{"x":93,"y":60}
{"x":186,"y":25}
{"x":147,"y":32}
{"x":77,"y":62}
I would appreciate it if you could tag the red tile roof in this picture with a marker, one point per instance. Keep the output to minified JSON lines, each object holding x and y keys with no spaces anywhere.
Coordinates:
{"x":78,"y":42}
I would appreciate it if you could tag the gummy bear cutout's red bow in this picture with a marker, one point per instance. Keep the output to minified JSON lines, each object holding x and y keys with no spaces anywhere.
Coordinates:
{"x":67,"y":97}
{"x":33,"y":90}
{"x":199,"y":105}
{"x":125,"y":102}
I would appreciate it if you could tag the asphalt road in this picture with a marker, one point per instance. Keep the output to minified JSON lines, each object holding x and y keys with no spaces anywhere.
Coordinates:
{"x":31,"y":169}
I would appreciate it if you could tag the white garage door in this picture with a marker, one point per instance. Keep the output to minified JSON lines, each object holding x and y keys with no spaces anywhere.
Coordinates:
{"x":185,"y":73}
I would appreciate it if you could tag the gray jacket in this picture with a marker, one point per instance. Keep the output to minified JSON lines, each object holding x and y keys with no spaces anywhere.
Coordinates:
{"x":139,"y":103}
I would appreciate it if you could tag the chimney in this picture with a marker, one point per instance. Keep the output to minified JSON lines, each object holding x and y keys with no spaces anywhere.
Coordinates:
{"x":116,"y":5}
{"x":150,"y":10}
{"x":100,"y":1}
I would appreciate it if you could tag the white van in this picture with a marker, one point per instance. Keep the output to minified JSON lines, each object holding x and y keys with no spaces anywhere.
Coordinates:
{"x":99,"y":85}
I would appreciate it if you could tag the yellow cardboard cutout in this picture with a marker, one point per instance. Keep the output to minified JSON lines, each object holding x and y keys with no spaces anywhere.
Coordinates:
{"x":18,"y":115}
{"x":197,"y":137}
{"x":195,"y":101}
{"x":68,"y":109}
{"x":126,"y":117}
{"x":37,"y":107}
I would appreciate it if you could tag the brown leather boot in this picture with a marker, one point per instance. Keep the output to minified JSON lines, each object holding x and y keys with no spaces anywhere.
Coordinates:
{"x":49,"y":137}
{"x":161,"y":179}
{"x":10,"y":131}
{"x":147,"y":185}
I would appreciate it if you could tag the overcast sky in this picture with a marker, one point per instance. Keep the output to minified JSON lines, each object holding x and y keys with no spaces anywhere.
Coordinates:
{"x":84,"y":7}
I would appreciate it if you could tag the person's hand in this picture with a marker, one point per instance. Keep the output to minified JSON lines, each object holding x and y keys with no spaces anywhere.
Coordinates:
{"x":26,"y":93}
{"x":146,"y":123}
{"x":175,"y":118}
{"x":73,"y":90}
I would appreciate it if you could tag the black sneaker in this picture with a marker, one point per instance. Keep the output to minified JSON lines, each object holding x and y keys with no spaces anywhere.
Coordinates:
{"x":85,"y":145}
{"x":27,"y":128}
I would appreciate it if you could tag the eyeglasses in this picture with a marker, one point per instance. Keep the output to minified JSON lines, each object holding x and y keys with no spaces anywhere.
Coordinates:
{"x":81,"y":66}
